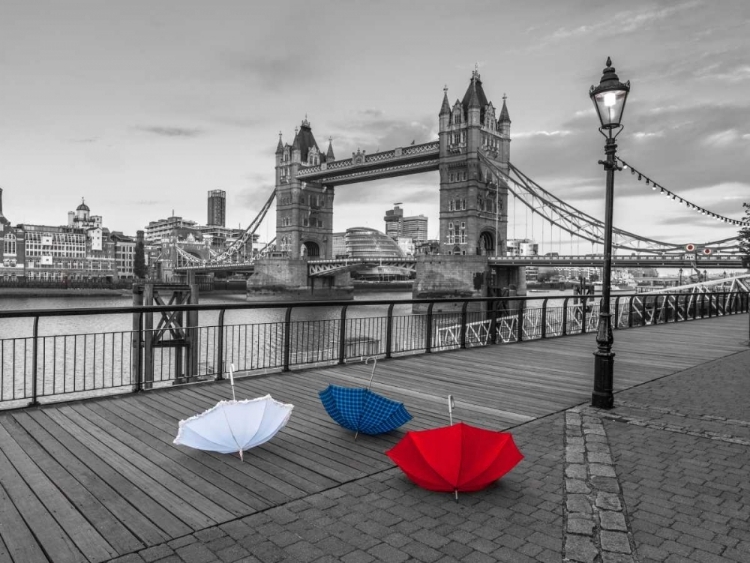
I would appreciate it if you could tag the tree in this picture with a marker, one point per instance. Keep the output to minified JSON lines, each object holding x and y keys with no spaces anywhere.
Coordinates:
{"x":744,"y":237}
{"x":139,"y":261}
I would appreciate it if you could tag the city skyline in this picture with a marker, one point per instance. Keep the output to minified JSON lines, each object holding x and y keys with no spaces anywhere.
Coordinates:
{"x":142,"y":109}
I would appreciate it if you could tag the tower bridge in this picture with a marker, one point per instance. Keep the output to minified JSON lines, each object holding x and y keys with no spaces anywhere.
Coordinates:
{"x":476,"y":180}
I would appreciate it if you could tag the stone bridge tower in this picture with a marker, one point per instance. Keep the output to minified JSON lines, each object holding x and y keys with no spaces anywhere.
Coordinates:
{"x":473,"y":199}
{"x":304,"y":212}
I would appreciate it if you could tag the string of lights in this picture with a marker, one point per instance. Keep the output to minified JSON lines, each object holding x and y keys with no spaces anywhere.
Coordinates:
{"x":681,"y":200}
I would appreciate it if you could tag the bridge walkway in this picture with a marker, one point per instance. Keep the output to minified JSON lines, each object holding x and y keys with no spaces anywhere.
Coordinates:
{"x":99,"y":479}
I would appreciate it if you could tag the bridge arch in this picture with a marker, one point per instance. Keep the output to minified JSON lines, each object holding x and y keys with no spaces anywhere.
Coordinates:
{"x":310,"y":249}
{"x":486,"y":243}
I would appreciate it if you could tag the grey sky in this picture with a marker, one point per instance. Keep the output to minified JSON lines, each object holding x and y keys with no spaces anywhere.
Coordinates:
{"x":142,"y":107}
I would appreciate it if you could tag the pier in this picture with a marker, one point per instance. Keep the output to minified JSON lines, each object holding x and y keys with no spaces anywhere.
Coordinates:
{"x":100,"y":479}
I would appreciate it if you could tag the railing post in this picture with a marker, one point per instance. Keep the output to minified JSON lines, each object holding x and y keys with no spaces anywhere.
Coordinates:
{"x":139,"y":360}
{"x":342,"y":335}
{"x":287,"y":339}
{"x":389,"y":331}
{"x":565,"y":317}
{"x":710,"y":304}
{"x":463,"y":324}
{"x":544,"y":317}
{"x":630,"y":311}
{"x":428,"y":330}
{"x":616,"y":324}
{"x":493,"y":322}
{"x":521,"y":310}
{"x":219,"y":368}
{"x":35,"y":351}
{"x":583,"y":314}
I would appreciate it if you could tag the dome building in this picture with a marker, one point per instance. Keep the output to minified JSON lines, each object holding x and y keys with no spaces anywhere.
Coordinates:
{"x":362,"y":242}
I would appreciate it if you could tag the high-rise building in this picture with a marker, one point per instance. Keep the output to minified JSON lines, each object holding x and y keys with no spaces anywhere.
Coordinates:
{"x":397,"y":226}
{"x":217,"y":208}
{"x":415,"y":228}
{"x":394,"y":219}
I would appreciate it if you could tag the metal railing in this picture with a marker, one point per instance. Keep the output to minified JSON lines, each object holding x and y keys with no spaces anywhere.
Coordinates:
{"x":56,"y":367}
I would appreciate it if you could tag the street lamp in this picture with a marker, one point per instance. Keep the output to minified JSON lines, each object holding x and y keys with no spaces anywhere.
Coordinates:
{"x":680,"y":276}
{"x":609,"y":100}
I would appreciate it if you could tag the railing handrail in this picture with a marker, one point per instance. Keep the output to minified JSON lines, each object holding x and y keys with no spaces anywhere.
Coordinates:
{"x":27,"y":313}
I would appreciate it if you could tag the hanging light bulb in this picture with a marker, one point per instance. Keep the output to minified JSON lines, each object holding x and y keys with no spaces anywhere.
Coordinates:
{"x":639,"y":177}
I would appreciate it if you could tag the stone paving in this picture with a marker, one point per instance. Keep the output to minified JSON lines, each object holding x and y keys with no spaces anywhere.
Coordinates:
{"x":662,"y":477}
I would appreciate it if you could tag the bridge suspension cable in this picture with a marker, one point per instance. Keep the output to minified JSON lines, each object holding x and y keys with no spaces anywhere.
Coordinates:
{"x":576,"y":222}
{"x":246,"y":236}
{"x":681,"y":200}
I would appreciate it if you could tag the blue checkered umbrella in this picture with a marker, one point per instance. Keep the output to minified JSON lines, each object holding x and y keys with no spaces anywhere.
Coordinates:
{"x":361,"y":410}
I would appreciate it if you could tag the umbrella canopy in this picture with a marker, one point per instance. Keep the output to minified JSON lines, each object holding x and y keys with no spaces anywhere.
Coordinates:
{"x":361,"y":410}
{"x":234,"y":426}
{"x":455,"y":458}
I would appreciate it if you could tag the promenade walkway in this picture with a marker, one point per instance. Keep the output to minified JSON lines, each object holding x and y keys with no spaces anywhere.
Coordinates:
{"x":662,"y":477}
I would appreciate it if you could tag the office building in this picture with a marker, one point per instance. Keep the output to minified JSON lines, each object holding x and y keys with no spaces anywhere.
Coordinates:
{"x":217,"y":208}
{"x":397,"y":226}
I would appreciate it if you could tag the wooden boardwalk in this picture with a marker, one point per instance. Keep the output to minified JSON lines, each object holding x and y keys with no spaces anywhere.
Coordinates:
{"x":92,"y":480}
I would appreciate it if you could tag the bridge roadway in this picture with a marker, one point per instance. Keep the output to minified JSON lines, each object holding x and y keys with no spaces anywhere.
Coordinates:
{"x":90,"y":481}
{"x":320,"y":267}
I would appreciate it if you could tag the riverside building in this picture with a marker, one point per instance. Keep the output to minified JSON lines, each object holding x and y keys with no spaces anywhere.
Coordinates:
{"x":82,"y":250}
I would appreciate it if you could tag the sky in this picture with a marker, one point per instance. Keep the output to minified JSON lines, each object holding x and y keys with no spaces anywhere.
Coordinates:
{"x":142,"y":107}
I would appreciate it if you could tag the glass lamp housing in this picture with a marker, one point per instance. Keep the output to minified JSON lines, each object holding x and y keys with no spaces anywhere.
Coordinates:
{"x":609,"y":98}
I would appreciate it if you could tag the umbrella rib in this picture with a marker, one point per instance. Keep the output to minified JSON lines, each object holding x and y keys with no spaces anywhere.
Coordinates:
{"x":239,"y":448}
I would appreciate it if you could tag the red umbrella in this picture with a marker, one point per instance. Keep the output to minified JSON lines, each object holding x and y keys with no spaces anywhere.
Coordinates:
{"x":455,"y":458}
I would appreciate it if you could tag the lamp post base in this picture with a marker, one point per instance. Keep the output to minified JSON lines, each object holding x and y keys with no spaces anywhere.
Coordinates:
{"x":602,"y":397}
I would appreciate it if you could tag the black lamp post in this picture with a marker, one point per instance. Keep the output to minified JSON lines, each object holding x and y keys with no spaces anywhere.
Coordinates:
{"x":680,"y":276}
{"x":609,"y":100}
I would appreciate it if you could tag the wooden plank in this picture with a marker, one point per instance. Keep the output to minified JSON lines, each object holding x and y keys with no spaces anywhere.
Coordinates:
{"x":304,"y":428}
{"x":117,"y":503}
{"x":218,"y":504}
{"x":169,"y":514}
{"x":42,"y":524}
{"x":192,"y":508}
{"x":220,"y":476}
{"x":292,"y":450}
{"x":86,"y":538}
{"x":17,"y":542}
{"x":107,"y":525}
{"x":262,"y":467}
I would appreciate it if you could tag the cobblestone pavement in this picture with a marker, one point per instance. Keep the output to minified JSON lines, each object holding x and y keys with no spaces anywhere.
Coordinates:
{"x":662,"y":477}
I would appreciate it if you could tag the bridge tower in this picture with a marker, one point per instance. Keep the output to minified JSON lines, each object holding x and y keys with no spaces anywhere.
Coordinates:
{"x":304,"y":211}
{"x":473,"y":201}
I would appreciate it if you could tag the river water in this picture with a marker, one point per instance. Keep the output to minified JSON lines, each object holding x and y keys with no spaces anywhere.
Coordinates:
{"x":101,"y":323}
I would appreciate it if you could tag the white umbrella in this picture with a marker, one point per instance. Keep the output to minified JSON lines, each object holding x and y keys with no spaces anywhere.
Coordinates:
{"x":234,"y":426}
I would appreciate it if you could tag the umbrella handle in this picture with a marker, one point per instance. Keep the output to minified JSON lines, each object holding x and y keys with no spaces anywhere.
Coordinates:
{"x":451,"y":406}
{"x":231,"y":380}
{"x":374,"y":363}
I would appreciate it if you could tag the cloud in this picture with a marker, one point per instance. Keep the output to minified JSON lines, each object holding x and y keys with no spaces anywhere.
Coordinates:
{"x":171,"y":131}
{"x":270,"y":72}
{"x":647,"y":135}
{"x":253,"y":196}
{"x":374,"y":130}
{"x":526,"y":134}
{"x":622,"y":22}
{"x":236,"y":121}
